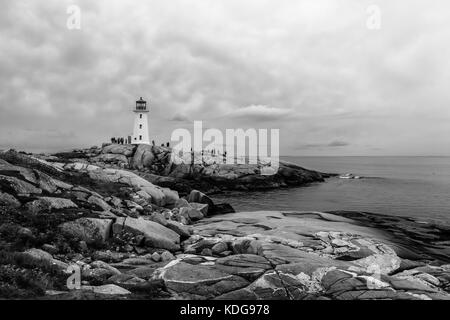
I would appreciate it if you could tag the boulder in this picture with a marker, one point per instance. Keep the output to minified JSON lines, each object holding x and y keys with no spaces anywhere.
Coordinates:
{"x":37,"y":257}
{"x":26,"y":161}
{"x":181,"y":171}
{"x":49,"y":203}
{"x":156,"y":257}
{"x":126,"y":150}
{"x":198,"y":280}
{"x":81,"y":194}
{"x":25,"y":233}
{"x":179,"y":228}
{"x":8,"y":200}
{"x":18,"y":187}
{"x":143,"y":157}
{"x":222,"y":208}
{"x":171,"y":196}
{"x":380,"y":263}
{"x":410,"y":284}
{"x":90,"y":230}
{"x":62,"y":185}
{"x":125,"y":280}
{"x":139,"y":261}
{"x":144,"y":195}
{"x":121,"y":176}
{"x":110,"y":256}
{"x":146,"y":272}
{"x":50,"y":248}
{"x":47,"y":183}
{"x":98,"y":264}
{"x":116,"y":202}
{"x":343,"y":285}
{"x":33,"y":176}
{"x":219,"y":248}
{"x":270,"y":286}
{"x":159,"y":218}
{"x":99,"y":202}
{"x":338,"y":281}
{"x":310,"y":263}
{"x":191,"y":213}
{"x":206,"y":252}
{"x":245,"y":261}
{"x":111,"y":158}
{"x":133,"y":205}
{"x":109,"y":289}
{"x":202,"y":207}
{"x":249,"y":246}
{"x":182,"y":203}
{"x":248,"y":266}
{"x":198,"y":246}
{"x":199,"y":197}
{"x":167,"y":256}
{"x":156,"y":235}
{"x":97,"y":275}
{"x":19,"y":172}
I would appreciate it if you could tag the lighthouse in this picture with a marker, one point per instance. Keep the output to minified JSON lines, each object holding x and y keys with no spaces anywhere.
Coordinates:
{"x":140,"y":132}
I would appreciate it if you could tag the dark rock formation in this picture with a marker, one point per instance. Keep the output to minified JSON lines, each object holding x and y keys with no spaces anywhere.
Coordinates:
{"x":159,"y":166}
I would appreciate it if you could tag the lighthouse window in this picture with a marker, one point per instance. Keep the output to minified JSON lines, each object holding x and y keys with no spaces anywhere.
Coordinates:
{"x":140,"y":126}
{"x":140,"y":137}
{"x":140,"y":116}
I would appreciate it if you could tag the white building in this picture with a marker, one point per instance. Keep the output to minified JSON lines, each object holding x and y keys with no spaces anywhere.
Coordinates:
{"x":140,"y":132}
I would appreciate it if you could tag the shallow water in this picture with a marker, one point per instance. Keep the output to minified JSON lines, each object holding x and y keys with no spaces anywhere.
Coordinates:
{"x":416,"y":187}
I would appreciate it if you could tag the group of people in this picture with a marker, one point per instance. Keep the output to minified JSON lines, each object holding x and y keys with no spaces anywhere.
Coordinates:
{"x":119,"y":140}
{"x":212,"y":153}
{"x":162,"y":144}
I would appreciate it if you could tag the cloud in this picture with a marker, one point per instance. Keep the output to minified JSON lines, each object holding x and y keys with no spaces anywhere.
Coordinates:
{"x":180,"y":118}
{"x":332,"y":144}
{"x":338,"y":144}
{"x":312,"y":70}
{"x":260,"y":113}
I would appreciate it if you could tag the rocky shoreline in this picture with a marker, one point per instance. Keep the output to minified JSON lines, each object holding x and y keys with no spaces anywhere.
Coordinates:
{"x":208,"y":174}
{"x":137,"y":226}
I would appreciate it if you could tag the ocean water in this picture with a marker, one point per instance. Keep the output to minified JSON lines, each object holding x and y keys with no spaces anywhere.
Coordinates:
{"x":417,"y":187}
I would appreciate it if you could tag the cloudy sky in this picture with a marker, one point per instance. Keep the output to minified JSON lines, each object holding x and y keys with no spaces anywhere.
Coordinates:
{"x":311,"y":68}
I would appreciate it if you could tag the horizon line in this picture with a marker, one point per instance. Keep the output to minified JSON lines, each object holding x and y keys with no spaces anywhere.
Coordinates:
{"x":285,"y":155}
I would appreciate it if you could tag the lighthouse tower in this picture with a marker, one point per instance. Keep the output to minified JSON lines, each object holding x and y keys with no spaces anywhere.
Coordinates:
{"x":140,"y":132}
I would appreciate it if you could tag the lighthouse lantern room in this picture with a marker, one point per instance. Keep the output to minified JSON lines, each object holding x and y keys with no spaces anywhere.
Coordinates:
{"x":140,"y":132}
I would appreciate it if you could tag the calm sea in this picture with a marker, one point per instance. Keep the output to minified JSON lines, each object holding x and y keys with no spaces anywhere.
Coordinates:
{"x":416,"y":187}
